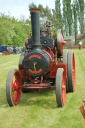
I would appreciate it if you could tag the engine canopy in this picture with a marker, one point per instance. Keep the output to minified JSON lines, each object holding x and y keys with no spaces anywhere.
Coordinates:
{"x":36,"y":62}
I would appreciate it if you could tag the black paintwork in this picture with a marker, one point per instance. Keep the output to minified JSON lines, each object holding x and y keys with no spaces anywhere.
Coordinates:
{"x":44,"y":41}
{"x":42,"y":63}
{"x":35,"y":22}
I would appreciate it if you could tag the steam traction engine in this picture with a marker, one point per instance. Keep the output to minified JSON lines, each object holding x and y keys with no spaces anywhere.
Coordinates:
{"x":43,"y":66}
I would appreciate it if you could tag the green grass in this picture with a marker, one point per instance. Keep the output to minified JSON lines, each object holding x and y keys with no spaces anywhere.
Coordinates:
{"x":39,"y":110}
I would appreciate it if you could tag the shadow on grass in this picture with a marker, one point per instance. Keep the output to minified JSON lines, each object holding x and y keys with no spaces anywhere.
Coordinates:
{"x":43,"y":99}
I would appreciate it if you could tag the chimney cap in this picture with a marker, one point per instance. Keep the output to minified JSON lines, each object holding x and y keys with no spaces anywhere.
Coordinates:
{"x":34,"y":10}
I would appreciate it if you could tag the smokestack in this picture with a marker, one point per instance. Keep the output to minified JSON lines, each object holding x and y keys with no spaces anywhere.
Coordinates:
{"x":35,"y":22}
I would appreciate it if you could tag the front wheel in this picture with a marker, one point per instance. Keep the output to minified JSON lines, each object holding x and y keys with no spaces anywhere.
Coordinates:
{"x":13,"y":92}
{"x":60,"y":87}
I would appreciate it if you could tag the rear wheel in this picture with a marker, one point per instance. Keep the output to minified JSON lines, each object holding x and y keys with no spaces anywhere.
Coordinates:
{"x":60,"y":88}
{"x":65,"y":60}
{"x":13,"y":92}
{"x":71,"y":71}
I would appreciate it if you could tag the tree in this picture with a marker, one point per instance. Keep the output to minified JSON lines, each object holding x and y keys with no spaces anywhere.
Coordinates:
{"x":64,"y":19}
{"x":75,"y":15}
{"x":81,"y":7}
{"x":6,"y":29}
{"x":12,"y":31}
{"x":72,"y":16}
{"x":57,"y":13}
{"x":46,"y":15}
{"x":69,"y":15}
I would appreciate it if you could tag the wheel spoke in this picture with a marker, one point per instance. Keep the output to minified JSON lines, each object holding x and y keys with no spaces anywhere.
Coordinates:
{"x":14,"y":87}
{"x":14,"y":95}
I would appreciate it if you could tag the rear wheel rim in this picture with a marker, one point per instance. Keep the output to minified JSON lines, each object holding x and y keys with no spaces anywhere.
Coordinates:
{"x":63,"y":90}
{"x":73,"y":71}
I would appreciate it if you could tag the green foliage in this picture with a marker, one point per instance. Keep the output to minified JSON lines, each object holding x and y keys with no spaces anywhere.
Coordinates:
{"x":81,"y":7}
{"x":20,"y":35}
{"x":47,"y":15}
{"x":71,"y":16}
{"x":13,"y":31}
{"x":75,"y":16}
{"x":6,"y":30}
{"x":32,"y":5}
{"x":64,"y":19}
{"x":83,"y":41}
{"x":57,"y":13}
{"x":67,"y":17}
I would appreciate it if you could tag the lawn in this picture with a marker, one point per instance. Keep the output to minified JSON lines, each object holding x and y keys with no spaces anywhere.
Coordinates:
{"x":39,"y":110}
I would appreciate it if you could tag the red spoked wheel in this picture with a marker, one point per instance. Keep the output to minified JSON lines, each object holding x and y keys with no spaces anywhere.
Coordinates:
{"x":13,"y":92}
{"x":71,"y":71}
{"x":60,"y":88}
{"x":8,"y":53}
{"x":4,"y":53}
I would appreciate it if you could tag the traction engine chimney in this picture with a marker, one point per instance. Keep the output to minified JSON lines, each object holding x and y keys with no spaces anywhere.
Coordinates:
{"x":35,"y":22}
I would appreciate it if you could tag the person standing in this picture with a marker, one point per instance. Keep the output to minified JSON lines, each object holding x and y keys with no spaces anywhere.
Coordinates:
{"x":80,"y":45}
{"x":14,"y":49}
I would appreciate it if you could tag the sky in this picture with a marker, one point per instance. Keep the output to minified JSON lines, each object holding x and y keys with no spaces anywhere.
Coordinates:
{"x":18,"y":8}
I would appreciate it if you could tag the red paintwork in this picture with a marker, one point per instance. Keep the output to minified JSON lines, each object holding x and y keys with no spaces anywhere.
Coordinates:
{"x":26,"y":43}
{"x":55,"y":67}
{"x":15,"y":90}
{"x":63,"y":90}
{"x":4,"y":53}
{"x":61,"y":43}
{"x":73,"y":71}
{"x":52,"y":67}
{"x":41,"y":86}
{"x":34,"y":56}
{"x":35,"y":72}
{"x":37,"y":83}
{"x":22,"y":72}
{"x":7,"y":53}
